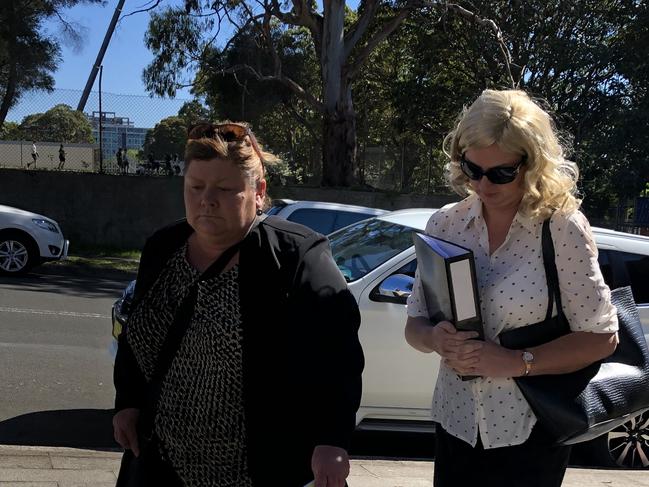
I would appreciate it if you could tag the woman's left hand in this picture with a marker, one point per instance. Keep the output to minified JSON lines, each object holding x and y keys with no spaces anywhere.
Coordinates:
{"x":330,"y":466}
{"x":491,"y":360}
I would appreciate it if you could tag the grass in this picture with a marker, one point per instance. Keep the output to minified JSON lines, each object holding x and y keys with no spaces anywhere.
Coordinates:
{"x":88,"y":259}
{"x":106,"y":252}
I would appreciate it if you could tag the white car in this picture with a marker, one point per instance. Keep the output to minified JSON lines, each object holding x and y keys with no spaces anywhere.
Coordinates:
{"x":377,"y":257}
{"x":321,"y":216}
{"x":28,"y":239}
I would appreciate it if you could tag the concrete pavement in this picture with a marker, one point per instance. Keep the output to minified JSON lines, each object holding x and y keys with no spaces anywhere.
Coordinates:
{"x":24,"y":466}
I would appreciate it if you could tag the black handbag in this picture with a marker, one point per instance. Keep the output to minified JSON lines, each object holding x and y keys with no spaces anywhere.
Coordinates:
{"x":149,"y":468}
{"x":585,"y":404}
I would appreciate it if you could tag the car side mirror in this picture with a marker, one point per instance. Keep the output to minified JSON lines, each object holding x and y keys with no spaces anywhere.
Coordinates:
{"x":394,"y":289}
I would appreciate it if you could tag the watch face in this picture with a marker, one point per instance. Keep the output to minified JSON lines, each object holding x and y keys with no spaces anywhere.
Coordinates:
{"x":528,"y":356}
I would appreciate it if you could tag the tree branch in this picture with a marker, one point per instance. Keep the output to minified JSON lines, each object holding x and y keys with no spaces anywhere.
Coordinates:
{"x":142,"y":10}
{"x":285,"y":80}
{"x":462,"y":12}
{"x":302,"y":120}
{"x":387,"y":29}
{"x":358,"y":29}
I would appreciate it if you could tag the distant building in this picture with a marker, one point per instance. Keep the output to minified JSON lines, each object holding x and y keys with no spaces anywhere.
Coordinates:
{"x":117,"y":132}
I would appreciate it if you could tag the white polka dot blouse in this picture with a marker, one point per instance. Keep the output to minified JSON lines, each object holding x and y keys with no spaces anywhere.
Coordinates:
{"x":513,"y":293}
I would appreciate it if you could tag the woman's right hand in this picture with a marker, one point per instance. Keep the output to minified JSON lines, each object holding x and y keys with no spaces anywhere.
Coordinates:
{"x":125,"y":429}
{"x":452,"y":344}
{"x":442,"y":338}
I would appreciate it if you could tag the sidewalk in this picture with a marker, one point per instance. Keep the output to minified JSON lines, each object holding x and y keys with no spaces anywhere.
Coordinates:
{"x":67,"y":467}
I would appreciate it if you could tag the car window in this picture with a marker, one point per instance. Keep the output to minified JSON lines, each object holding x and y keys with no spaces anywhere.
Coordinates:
{"x":408,"y":269}
{"x":344,"y":218}
{"x":364,"y":246}
{"x":319,"y":220}
{"x":634,"y":269}
{"x":605,"y":266}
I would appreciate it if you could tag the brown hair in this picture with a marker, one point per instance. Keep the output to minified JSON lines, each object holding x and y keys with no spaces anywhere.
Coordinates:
{"x":240,"y":152}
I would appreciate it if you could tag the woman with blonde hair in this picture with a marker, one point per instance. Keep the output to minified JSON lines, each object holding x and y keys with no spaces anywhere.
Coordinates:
{"x":226,"y":374}
{"x":507,"y":160}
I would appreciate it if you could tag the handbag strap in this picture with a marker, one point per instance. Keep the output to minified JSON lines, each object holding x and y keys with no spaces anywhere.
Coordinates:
{"x":551,"y":274}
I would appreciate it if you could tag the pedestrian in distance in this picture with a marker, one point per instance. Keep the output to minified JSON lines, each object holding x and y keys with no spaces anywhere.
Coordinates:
{"x":152,"y":163}
{"x":507,"y":160}
{"x":231,"y":333}
{"x":118,"y":158}
{"x":176,"y":165}
{"x":61,"y":158}
{"x":125,"y":161}
{"x":168,"y":169}
{"x":35,"y":156}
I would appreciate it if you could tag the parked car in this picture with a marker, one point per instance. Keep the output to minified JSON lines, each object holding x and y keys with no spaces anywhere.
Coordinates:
{"x":377,"y":258}
{"x":27,"y":240}
{"x":321,"y":216}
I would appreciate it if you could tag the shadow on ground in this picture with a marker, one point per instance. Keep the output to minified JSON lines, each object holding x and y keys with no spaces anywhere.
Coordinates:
{"x":393,"y":445}
{"x":68,"y":281}
{"x":74,"y":428}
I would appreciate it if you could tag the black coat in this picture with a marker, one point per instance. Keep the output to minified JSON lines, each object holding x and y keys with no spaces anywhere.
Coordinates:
{"x":302,"y":360}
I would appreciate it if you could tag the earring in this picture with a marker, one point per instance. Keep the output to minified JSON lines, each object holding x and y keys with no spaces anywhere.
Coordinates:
{"x":259,"y":212}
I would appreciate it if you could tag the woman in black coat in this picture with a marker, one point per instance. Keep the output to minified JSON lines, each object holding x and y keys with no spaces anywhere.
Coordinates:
{"x":263,"y":386}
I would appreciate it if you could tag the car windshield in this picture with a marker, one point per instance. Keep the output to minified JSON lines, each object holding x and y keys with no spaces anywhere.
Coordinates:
{"x":360,"y":248}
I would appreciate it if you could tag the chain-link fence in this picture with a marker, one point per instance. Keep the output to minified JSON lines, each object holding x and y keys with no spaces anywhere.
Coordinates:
{"x":44,"y":131}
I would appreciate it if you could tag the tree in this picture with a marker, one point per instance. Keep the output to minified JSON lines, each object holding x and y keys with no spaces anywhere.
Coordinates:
{"x":192,"y":112}
{"x":167,"y":137}
{"x":582,"y":58}
{"x":28,"y":57}
{"x":10,"y":131}
{"x":281,"y":120}
{"x":175,"y":36}
{"x":59,"y":124}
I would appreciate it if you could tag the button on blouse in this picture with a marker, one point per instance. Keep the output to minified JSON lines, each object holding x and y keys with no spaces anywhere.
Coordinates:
{"x":513,"y":293}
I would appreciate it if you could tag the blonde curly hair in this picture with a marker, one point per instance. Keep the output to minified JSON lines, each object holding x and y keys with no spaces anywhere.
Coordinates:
{"x":517,"y":124}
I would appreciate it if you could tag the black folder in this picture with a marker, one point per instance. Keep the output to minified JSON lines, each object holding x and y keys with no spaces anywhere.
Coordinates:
{"x":447,"y":274}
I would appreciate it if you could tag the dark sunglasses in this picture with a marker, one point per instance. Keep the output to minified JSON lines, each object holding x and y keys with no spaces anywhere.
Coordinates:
{"x":497,"y":175}
{"x":229,"y":132}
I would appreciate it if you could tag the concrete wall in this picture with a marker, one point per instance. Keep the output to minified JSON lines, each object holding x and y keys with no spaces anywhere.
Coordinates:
{"x":121,"y":211}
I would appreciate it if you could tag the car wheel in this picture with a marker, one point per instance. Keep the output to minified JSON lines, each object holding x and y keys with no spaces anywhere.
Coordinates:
{"x":17,"y":254}
{"x":627,"y":446}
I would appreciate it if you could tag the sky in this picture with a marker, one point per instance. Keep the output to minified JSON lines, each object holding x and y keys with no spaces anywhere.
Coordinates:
{"x":125,"y":58}
{"x":123,"y":63}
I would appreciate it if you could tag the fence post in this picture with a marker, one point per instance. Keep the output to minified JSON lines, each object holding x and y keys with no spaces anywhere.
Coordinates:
{"x":101,"y":131}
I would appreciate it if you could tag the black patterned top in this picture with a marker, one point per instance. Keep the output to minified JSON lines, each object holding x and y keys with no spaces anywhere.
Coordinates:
{"x":200,"y":414}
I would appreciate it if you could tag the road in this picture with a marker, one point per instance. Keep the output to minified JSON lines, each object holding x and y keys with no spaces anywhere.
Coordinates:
{"x":55,"y":371}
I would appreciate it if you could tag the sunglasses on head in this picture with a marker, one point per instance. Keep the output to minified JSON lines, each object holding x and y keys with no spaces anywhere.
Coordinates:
{"x":229,"y":132}
{"x":497,"y":175}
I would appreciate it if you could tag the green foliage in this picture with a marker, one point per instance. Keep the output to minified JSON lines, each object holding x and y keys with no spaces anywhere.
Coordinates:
{"x":285,"y":125}
{"x":172,"y":37}
{"x":193,"y":112}
{"x":59,"y":124}
{"x":10,"y":131}
{"x":169,"y":136}
{"x":587,"y":58}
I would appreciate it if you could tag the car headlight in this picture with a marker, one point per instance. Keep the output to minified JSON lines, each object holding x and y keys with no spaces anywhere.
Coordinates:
{"x":45,"y":224}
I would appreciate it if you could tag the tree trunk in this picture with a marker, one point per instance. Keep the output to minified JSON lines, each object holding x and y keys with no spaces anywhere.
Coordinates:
{"x":10,"y":93}
{"x":339,"y":145}
{"x":12,"y":78}
{"x":339,"y":120}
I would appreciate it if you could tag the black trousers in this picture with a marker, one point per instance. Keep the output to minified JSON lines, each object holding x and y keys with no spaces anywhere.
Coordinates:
{"x":535,"y":463}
